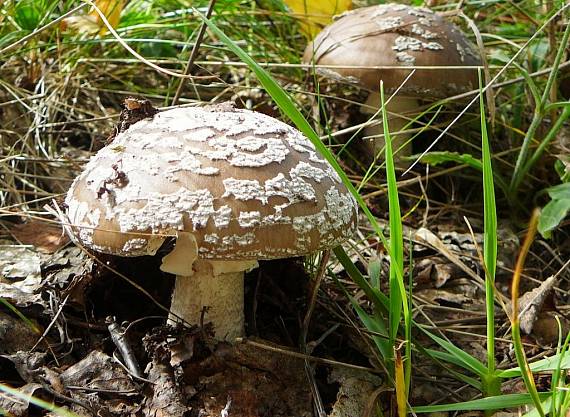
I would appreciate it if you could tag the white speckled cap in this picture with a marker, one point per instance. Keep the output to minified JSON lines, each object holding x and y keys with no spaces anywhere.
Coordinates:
{"x":400,"y":36}
{"x":246,"y":185}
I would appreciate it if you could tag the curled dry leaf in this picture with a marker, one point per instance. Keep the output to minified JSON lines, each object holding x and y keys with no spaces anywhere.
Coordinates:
{"x":531,"y":302}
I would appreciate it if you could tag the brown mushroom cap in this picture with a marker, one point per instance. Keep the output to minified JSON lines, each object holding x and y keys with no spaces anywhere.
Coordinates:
{"x":246,"y":185}
{"x":397,"y":35}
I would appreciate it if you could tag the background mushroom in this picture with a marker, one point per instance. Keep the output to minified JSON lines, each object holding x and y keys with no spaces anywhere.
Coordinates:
{"x":397,"y":36}
{"x":234,"y":186}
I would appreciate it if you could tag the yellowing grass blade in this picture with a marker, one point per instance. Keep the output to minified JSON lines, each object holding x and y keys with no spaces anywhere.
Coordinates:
{"x":316,"y":14}
{"x":400,"y":385}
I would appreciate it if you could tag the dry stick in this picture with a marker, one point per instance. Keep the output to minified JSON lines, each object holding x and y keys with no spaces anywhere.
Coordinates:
{"x":487,"y":86}
{"x":288,"y":352}
{"x":119,"y":338}
{"x":194,"y":53}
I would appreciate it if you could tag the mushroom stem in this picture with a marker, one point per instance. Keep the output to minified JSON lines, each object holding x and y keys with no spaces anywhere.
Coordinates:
{"x":221,"y":295}
{"x":214,"y":285}
{"x":401,"y":143}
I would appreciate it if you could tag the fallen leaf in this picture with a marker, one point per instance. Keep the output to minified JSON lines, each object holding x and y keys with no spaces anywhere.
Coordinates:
{"x":20,"y":275}
{"x":354,"y":391}
{"x":531,"y":302}
{"x":314,"y":15}
{"x":546,"y":329}
{"x":98,"y":371}
{"x":44,"y":237}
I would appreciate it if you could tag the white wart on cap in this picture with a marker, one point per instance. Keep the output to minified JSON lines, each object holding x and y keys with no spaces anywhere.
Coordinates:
{"x":241,"y":185}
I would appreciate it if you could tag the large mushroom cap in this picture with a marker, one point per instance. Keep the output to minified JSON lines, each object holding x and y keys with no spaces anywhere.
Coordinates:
{"x":399,"y":36}
{"x":246,"y":185}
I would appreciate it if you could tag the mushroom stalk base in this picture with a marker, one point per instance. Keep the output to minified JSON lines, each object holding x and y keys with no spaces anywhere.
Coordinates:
{"x":221,"y":295}
{"x":401,"y":142}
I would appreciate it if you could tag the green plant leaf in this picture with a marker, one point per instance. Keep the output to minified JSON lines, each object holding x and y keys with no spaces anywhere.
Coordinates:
{"x":376,"y":325}
{"x":378,"y":299}
{"x":491,"y":385}
{"x":436,"y":158}
{"x":552,"y":214}
{"x":488,"y":403}
{"x":559,"y":192}
{"x":29,"y":13}
{"x":544,"y":365}
{"x":443,"y":358}
{"x":463,"y":359}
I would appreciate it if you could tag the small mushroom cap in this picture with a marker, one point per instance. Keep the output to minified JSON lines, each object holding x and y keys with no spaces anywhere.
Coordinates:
{"x":397,"y":35}
{"x":245,"y":185}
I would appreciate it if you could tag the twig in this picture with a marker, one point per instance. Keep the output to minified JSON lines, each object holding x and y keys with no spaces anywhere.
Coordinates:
{"x":120,"y":340}
{"x":226,"y":410}
{"x":52,"y":322}
{"x":289,"y":352}
{"x":194,"y":53}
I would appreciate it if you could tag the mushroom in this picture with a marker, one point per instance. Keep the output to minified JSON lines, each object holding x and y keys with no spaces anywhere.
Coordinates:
{"x":395,"y":37}
{"x":234,"y":187}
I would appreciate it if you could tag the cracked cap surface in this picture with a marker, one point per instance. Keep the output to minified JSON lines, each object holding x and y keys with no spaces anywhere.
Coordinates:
{"x":246,"y":185}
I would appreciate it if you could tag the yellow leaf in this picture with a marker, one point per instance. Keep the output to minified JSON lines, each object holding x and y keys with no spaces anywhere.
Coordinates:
{"x":111,"y":9}
{"x":316,"y":14}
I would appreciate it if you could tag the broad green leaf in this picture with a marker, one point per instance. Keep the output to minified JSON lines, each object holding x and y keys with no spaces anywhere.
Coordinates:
{"x":444,"y":358}
{"x":559,"y":192}
{"x":491,"y":384}
{"x":398,"y":299}
{"x":375,"y":325}
{"x":552,"y":214}
{"x":374,"y":269}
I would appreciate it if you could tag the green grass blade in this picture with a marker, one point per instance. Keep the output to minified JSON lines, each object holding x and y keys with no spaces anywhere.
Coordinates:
{"x":36,"y":401}
{"x":489,"y":247}
{"x":462,"y":358}
{"x":544,"y":365}
{"x":379,"y":300}
{"x":443,"y":358}
{"x":398,"y":299}
{"x":488,"y":403}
